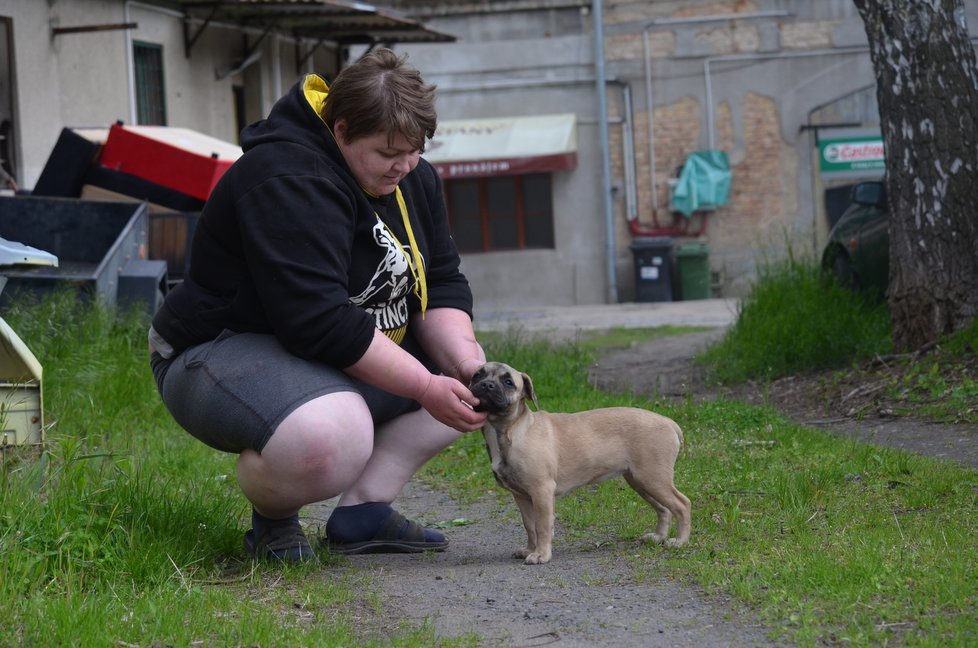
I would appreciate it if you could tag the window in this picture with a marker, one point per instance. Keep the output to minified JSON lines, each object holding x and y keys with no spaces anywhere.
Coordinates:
{"x":150,"y":98}
{"x":501,"y":213}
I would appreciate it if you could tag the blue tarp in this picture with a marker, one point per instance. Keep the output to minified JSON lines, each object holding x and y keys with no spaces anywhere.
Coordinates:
{"x":704,"y":183}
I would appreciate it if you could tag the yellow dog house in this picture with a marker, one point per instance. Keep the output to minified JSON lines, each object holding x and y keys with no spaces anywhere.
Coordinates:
{"x":21,"y":400}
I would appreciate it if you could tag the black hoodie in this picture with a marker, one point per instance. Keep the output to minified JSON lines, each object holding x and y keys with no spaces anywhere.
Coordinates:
{"x":289,"y":244}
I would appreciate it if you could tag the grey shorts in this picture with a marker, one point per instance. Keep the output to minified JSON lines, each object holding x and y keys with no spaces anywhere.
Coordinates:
{"x":232,"y":392}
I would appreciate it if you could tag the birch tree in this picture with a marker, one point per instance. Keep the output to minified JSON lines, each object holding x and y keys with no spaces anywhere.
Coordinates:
{"x":927,"y":88}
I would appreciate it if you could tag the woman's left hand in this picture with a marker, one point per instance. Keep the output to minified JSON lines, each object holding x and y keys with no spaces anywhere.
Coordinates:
{"x":451,"y":403}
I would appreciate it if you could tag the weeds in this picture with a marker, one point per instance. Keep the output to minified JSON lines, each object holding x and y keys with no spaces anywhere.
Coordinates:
{"x":797,"y":318}
{"x":126,"y":531}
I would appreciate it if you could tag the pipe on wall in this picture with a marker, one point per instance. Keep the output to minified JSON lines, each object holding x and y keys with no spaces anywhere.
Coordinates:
{"x":708,"y":81}
{"x":611,"y":248}
{"x":647,"y":51}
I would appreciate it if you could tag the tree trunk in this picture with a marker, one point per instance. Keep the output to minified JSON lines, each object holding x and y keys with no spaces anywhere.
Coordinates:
{"x":927,"y":87}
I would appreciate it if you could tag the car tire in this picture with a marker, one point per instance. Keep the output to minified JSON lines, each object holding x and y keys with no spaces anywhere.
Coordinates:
{"x":842,"y":269}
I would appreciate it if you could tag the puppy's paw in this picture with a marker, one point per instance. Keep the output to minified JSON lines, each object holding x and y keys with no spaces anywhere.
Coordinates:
{"x":522,"y":553}
{"x":654,"y":538}
{"x":674,"y":542}
{"x":537,"y":558}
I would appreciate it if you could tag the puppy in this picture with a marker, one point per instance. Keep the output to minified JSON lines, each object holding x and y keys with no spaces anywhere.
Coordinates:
{"x":538,"y":456}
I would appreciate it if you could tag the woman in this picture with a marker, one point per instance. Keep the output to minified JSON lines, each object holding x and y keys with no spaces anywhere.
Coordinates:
{"x":324,"y":329}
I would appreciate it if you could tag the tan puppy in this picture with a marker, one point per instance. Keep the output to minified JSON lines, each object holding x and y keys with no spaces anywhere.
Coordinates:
{"x":538,"y":456}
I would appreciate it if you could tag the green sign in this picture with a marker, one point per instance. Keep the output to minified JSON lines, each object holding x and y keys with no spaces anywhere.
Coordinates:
{"x":859,"y":154}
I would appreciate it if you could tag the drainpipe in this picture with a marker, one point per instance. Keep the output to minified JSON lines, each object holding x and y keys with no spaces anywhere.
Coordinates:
{"x":647,"y":50}
{"x":628,"y":151}
{"x":597,"y":16}
{"x":276,"y":57}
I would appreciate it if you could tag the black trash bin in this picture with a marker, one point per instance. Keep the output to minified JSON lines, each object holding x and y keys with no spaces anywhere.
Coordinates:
{"x":653,"y":268}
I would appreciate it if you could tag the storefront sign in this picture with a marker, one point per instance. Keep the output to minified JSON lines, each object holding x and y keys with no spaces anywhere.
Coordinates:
{"x":846,"y":156}
{"x":473,"y":148}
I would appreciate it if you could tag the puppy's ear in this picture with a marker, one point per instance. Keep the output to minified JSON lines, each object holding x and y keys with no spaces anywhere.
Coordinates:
{"x":528,"y":390}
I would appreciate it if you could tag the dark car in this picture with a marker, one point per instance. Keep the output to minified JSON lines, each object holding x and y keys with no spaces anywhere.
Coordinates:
{"x":858,"y":250}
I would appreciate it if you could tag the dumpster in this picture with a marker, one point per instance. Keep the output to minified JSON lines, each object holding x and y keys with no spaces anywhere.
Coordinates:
{"x":653,"y":268}
{"x":693,"y":264}
{"x":97,"y":244}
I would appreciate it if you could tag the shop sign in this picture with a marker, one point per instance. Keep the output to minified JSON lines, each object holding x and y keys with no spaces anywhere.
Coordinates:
{"x":845,"y":156}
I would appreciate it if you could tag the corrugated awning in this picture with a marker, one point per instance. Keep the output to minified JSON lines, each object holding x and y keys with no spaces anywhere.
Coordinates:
{"x":471,"y":148}
{"x":345,"y":23}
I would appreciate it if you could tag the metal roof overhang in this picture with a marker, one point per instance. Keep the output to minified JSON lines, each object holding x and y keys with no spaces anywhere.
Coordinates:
{"x":344,"y":23}
{"x":473,"y":148}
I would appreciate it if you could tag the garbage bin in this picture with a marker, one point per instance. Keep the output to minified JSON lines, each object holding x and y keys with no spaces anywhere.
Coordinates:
{"x":653,"y":268}
{"x":693,"y":264}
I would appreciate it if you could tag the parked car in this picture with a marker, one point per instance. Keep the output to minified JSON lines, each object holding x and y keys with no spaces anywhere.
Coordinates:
{"x":858,"y":249}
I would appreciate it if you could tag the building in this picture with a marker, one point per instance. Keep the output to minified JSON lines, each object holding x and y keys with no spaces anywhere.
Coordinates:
{"x":208,"y":66}
{"x":564,"y":123}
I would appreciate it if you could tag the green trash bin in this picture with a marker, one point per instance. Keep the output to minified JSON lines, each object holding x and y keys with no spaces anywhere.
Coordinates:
{"x":693,"y":263}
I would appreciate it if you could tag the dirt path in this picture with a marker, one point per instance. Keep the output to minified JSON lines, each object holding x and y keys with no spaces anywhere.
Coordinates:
{"x":663,"y":366}
{"x":586,"y":596}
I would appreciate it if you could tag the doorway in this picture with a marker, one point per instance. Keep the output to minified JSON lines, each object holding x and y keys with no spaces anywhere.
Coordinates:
{"x":8,"y":148}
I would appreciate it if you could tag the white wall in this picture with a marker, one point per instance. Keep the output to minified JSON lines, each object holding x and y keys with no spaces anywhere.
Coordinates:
{"x":82,"y":79}
{"x":531,"y":77}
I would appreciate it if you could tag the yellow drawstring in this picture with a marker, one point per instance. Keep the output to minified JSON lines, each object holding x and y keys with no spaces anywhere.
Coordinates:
{"x":420,"y":284}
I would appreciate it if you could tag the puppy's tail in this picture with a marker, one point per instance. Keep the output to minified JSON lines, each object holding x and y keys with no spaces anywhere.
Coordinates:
{"x":679,"y":434}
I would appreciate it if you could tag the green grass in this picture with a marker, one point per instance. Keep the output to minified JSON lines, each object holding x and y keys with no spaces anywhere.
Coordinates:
{"x":127,"y":531}
{"x":798,"y":318}
{"x":940,"y":385}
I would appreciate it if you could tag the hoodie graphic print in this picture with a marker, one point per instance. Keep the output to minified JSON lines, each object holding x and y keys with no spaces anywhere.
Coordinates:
{"x":386,"y":294}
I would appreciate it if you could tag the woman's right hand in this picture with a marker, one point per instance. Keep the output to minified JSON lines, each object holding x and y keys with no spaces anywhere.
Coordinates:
{"x":451,"y":403}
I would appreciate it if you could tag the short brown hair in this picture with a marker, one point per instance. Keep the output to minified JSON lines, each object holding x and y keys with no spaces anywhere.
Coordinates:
{"x":380,"y":93}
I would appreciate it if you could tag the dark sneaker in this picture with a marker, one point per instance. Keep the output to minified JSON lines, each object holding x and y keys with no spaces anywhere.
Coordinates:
{"x":282,"y":541}
{"x":375,"y":527}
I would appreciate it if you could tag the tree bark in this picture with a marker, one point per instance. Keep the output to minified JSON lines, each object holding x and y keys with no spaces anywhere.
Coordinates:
{"x":927,"y":87}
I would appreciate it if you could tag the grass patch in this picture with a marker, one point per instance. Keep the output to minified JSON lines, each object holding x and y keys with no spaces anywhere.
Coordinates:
{"x":832,"y":541}
{"x":797,"y":318}
{"x":127,"y":531}
{"x":942,"y":384}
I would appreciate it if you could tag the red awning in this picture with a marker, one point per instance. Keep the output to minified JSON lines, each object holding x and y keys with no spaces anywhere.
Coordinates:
{"x":472,"y":148}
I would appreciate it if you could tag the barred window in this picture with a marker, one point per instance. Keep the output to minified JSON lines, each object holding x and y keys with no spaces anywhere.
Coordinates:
{"x":150,"y":97}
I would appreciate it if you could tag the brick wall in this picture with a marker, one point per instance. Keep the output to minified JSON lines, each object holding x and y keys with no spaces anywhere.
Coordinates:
{"x":764,"y":205}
